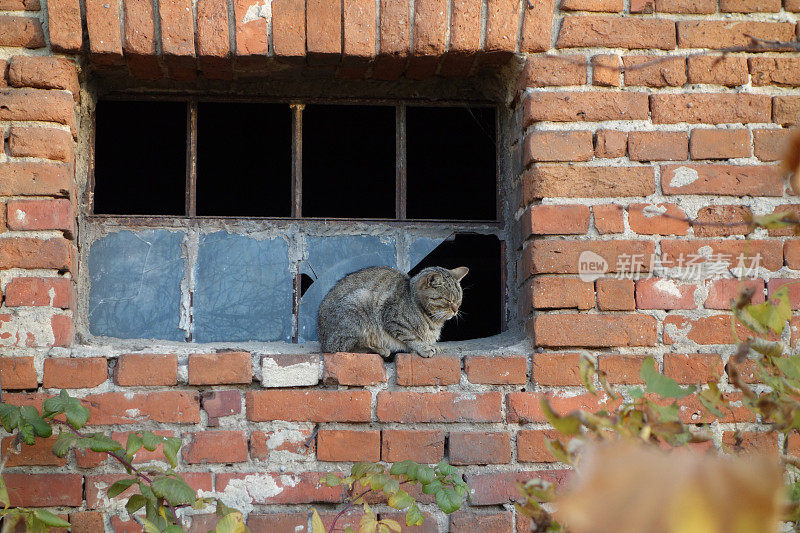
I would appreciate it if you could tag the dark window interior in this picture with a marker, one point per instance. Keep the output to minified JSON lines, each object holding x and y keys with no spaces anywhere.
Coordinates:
{"x":349,"y":161}
{"x":481,"y":308}
{"x":451,"y":163}
{"x":140,"y":158}
{"x":244,"y":159}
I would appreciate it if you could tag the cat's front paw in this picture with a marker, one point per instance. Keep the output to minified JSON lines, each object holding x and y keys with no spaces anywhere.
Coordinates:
{"x":427,"y":351}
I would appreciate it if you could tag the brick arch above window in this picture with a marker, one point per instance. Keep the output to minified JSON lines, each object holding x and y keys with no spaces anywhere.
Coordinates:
{"x":383,"y":39}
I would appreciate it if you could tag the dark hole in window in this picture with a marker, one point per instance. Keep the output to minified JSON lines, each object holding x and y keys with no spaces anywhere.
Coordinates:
{"x":244,"y":159}
{"x":140,"y":158}
{"x":451,"y":163}
{"x":481,"y":307}
{"x":305,"y":283}
{"x":349,"y":161}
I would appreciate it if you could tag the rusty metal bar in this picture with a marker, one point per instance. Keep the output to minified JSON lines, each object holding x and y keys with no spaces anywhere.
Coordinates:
{"x":401,"y":182}
{"x":297,"y":160}
{"x":191,"y":158}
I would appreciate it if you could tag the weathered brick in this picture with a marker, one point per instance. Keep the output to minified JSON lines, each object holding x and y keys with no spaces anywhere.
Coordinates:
{"x":21,"y":31}
{"x":465,"y":26}
{"x":657,"y":219}
{"x":359,"y":29}
{"x":786,"y":110}
{"x":525,"y":407}
{"x":96,"y":487}
{"x":425,"y":446}
{"x":658,"y":146}
{"x":558,"y":292}
{"x":749,"y":6}
{"x":298,"y":488}
{"x":443,"y":406}
{"x":751,"y":442}
{"x":36,"y":104}
{"x":308,"y":406}
{"x":289,"y":27}
{"x":555,"y":220}
{"x":663,"y":293}
{"x":708,"y":330}
{"x":771,"y":145}
{"x":556,"y":369}
{"x":537,"y":26}
{"x":37,"y":292}
{"x":791,"y":285}
{"x":31,"y":215}
{"x":718,"y":70}
{"x":729,"y":180}
{"x":563,"y":256}
{"x":105,"y":33}
{"x":592,"y":106}
{"x":501,"y":487}
{"x":64,"y":25}
{"x":775,"y":71}
{"x":284,"y":443}
{"x":608,"y":218}
{"x":719,"y":144}
{"x":324,"y":30}
{"x":291,"y":370}
{"x":654,"y":71}
{"x":20,"y":5}
{"x":791,"y":5}
{"x":722,"y":291}
{"x":593,"y":330}
{"x":353,"y":369}
{"x":24,"y":252}
{"x":44,"y":490}
{"x":621,"y":369}
{"x":144,"y":369}
{"x":693,"y":368}
{"x":18,"y":373}
{"x":347,"y":445}
{"x":731,"y":251}
{"x":709,"y":108}
{"x":686,"y":6}
{"x":139,"y":41}
{"x":35,"y":179}
{"x":48,"y":143}
{"x":615,"y":294}
{"x":220,"y":368}
{"x":267,"y":523}
{"x":792,"y":253}
{"x":615,"y":32}
{"x":558,"y":146}
{"x":168,"y":406}
{"x":215,"y":447}
{"x":479,"y":448}
{"x":546,"y":71}
{"x":543,"y":181}
{"x":213,"y":35}
{"x":502,"y":27}
{"x":611,"y":143}
{"x":74,"y":373}
{"x":221,"y":403}
{"x":531,"y":445}
{"x":472,"y":522}
{"x":63,"y":330}
{"x":496,"y":369}
{"x":415,"y":371}
{"x":44,"y":73}
{"x":722,"y":220}
{"x":252,"y":43}
{"x":395,"y":40}
{"x":177,"y":30}
{"x":610,"y":6}
{"x":38,"y":454}
{"x":606,"y":70}
{"x":86,"y":522}
{"x":725,"y":33}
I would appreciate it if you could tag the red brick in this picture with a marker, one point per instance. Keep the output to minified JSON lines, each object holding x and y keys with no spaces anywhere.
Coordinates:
{"x":791,"y":5}
{"x":44,"y":73}
{"x":501,"y":487}
{"x":103,"y":24}
{"x":87,"y":522}
{"x":430,"y":27}
{"x":277,"y":522}
{"x":74,"y":373}
{"x":475,"y":448}
{"x":611,"y":6}
{"x":705,"y":330}
{"x":558,"y":292}
{"x":786,"y":110}
{"x":606,"y":70}
{"x":324,"y":30}
{"x":250,"y":24}
{"x":20,"y":5}
{"x":555,"y":220}
{"x":751,"y":442}
{"x":346,"y":445}
{"x":544,"y":181}
{"x":33,"y":179}
{"x":525,"y":407}
{"x":719,"y":144}
{"x":64,"y":25}
{"x":730,"y":180}
{"x":395,"y":39}
{"x":614,"y":32}
{"x":28,"y":215}
{"x":709,"y":108}
{"x":664,"y":293}
{"x":608,"y":218}
{"x":139,"y":42}
{"x":215,"y":447}
{"x":531,"y":445}
{"x":221,"y":403}
{"x":722,"y":220}
{"x":721,"y":291}
{"x":175,"y":407}
{"x":537,"y":25}
{"x":283,"y":444}
{"x":213,"y":35}
{"x":725,"y":33}
{"x":97,"y":486}
{"x":558,"y":146}
{"x":621,"y":369}
{"x":556,"y":369}
{"x":793,"y":285}
{"x":21,"y":31}
{"x":502,"y":28}
{"x":18,"y":373}
{"x":658,"y":146}
{"x":775,"y":71}
{"x":693,"y":368}
{"x":686,"y":6}
{"x":465,"y":26}
{"x":595,"y":331}
{"x":443,"y":406}
{"x":592,"y":106}
{"x":220,"y":368}
{"x":63,"y":330}
{"x":296,"y":488}
{"x":36,"y":104}
{"x":308,"y":405}
{"x":48,"y":143}
{"x":749,"y":6}
{"x":497,"y":369}
{"x":177,"y":29}
{"x":563,"y":256}
{"x":407,"y":445}
{"x":289,"y":28}
{"x":615,"y":294}
{"x":44,"y":490}
{"x":125,"y":526}
{"x":416,"y":371}
{"x":730,"y":250}
{"x":546,"y":71}
{"x":718,"y":70}
{"x":771,"y":145}
{"x":654,"y":71}
{"x":23,"y":252}
{"x":428,"y":526}
{"x":353,"y":369}
{"x":657,"y":219}
{"x":37,"y":292}
{"x":611,"y":143}
{"x":792,"y":254}
{"x":144,"y":369}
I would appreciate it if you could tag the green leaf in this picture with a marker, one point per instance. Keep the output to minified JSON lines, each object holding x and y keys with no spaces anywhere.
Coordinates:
{"x":34,"y":525}
{"x":97,"y":442}
{"x":171,"y":447}
{"x":63,"y":443}
{"x":149,"y":527}
{"x":587,"y":371}
{"x":401,"y":467}
{"x":77,"y":415}
{"x":789,"y":366}
{"x":175,"y":490}
{"x":448,"y":501}
{"x":120,"y":486}
{"x":557,"y":450}
{"x":425,"y":474}
{"x":392,"y":525}
{"x":665,"y":413}
{"x":26,"y":431}
{"x":778,"y":220}
{"x":133,"y":444}
{"x":9,"y":416}
{"x":414,"y":516}
{"x":50,"y":519}
{"x":635,"y":393}
{"x":444,"y":468}
{"x":772,"y":315}
{"x":316,"y":523}
{"x":377,"y":481}
{"x":566,"y":425}
{"x":224,"y":510}
{"x":660,"y":384}
{"x":391,"y":486}
{"x":432,"y":488}
{"x":4,"y":499}
{"x":231,"y":523}
{"x":151,"y":441}
{"x":348,"y":529}
{"x":331,"y":480}
{"x":362,"y":469}
{"x":174,"y":528}
{"x":135,"y":502}
{"x":30,"y":415}
{"x":400,"y":500}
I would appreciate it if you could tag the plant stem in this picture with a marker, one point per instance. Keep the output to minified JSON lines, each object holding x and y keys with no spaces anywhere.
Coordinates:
{"x":348,"y":506}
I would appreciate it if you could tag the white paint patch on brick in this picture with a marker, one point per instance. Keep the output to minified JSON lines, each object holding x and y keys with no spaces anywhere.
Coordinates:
{"x":667,"y":286}
{"x":240,"y":493}
{"x":259,"y":10}
{"x":650,"y":211}
{"x":298,"y":375}
{"x":683,"y":176}
{"x":20,"y":215}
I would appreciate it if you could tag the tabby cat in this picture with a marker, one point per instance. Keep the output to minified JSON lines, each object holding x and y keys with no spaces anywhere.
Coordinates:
{"x":382,"y":310}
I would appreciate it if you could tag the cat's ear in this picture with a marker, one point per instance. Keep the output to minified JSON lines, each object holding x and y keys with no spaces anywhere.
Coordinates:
{"x":434,"y":279}
{"x":459,"y":273}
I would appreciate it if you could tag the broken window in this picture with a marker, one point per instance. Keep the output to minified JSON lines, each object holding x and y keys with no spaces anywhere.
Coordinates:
{"x":236,"y":218}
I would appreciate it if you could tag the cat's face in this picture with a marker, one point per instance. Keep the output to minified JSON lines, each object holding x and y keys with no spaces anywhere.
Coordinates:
{"x":439,"y":291}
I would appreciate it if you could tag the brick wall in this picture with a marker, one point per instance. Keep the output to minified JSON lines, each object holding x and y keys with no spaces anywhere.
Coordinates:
{"x":665,"y":158}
